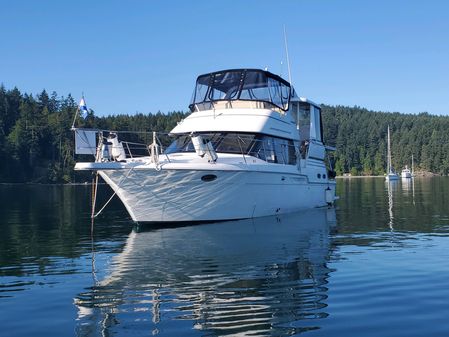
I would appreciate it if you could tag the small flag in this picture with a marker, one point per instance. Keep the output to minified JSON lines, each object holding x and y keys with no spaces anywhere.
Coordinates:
{"x":83,"y":108}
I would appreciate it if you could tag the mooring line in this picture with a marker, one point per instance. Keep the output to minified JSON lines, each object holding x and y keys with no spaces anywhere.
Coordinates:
{"x":94,"y":200}
{"x":115,"y":192}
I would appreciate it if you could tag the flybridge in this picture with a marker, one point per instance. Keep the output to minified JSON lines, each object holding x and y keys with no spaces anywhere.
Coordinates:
{"x":241,"y":85}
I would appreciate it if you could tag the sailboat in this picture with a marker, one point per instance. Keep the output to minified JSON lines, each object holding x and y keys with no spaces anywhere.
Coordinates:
{"x":391,"y":175}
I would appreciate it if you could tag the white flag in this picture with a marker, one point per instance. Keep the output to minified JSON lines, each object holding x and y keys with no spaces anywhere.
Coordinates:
{"x":83,"y":108}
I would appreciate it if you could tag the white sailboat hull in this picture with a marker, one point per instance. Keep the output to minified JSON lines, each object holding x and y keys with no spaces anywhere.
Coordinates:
{"x":171,"y":195}
{"x":392,"y":176}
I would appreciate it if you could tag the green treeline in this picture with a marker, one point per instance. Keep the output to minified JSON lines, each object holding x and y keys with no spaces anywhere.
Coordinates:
{"x":360,"y":137}
{"x":36,"y":144}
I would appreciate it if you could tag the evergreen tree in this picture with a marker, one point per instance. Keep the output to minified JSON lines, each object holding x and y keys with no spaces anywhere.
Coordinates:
{"x":36,"y":143}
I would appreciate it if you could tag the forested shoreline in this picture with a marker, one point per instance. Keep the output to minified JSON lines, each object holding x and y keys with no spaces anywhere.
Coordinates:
{"x":36,"y":143}
{"x":360,"y":138}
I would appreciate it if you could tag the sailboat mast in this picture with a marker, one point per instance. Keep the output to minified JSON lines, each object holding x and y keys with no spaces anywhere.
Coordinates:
{"x":388,"y":151}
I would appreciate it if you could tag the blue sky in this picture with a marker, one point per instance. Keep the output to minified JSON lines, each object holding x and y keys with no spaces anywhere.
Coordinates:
{"x":144,"y":56}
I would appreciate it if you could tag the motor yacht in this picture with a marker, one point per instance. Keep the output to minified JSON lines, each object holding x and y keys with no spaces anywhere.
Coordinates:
{"x":406,"y":173}
{"x":251,"y":147}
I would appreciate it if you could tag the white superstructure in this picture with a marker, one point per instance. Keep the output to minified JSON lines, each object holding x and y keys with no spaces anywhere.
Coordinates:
{"x":406,"y":173}
{"x":250,"y":147}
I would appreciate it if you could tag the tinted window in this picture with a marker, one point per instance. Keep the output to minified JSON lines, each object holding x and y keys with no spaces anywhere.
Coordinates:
{"x":267,"y":148}
{"x":243,"y":84}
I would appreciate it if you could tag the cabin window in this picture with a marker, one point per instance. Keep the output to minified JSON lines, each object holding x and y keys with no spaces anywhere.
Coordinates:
{"x":234,"y":143}
{"x":279,"y":93}
{"x":200,"y":93}
{"x":316,"y":128}
{"x":302,"y":114}
{"x":243,"y":84}
{"x":224,"y":142}
{"x":181,"y":144}
{"x":308,"y":119}
{"x":270,"y":149}
{"x":275,"y":150}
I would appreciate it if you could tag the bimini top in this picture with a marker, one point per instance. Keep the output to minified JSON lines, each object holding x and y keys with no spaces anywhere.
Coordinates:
{"x":244,"y":85}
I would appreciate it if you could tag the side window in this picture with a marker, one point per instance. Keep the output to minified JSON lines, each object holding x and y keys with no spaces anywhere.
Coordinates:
{"x":304,"y":121}
{"x":281,"y":150}
{"x":285,"y":151}
{"x":291,"y":153}
{"x":182,"y":143}
{"x":317,"y":127}
{"x":274,"y":150}
{"x":270,"y":150}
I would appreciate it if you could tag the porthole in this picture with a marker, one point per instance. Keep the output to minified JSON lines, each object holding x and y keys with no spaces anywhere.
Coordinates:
{"x":319,"y":175}
{"x":208,"y":177}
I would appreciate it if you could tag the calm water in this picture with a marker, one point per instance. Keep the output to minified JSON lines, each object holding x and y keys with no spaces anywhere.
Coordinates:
{"x":376,"y":265}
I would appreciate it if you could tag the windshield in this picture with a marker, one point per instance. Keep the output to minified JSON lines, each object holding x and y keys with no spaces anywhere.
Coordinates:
{"x":242,"y":84}
{"x":268,"y":148}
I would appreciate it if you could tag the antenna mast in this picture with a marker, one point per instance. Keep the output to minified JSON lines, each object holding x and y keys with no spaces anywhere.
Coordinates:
{"x":288,"y":59}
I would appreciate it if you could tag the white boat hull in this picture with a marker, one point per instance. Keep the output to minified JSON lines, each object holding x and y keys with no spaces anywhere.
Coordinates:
{"x":392,"y":177}
{"x":406,"y":174}
{"x":171,"y":195}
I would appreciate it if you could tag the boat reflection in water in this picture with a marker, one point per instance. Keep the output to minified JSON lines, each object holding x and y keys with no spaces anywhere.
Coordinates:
{"x":263,"y":276}
{"x":391,"y":186}
{"x":408,"y":185}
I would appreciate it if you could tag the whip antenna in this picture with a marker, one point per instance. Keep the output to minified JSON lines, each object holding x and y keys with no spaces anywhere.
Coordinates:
{"x":288,"y":60}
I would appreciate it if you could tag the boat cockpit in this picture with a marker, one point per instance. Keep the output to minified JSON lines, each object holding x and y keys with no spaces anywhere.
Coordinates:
{"x":240,"y":86}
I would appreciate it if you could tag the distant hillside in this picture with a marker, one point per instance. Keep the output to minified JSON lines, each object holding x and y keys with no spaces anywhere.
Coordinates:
{"x":36,"y":144}
{"x":360,"y":137}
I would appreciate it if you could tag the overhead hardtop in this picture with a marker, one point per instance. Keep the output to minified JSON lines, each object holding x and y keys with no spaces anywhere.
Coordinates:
{"x":242,"y":84}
